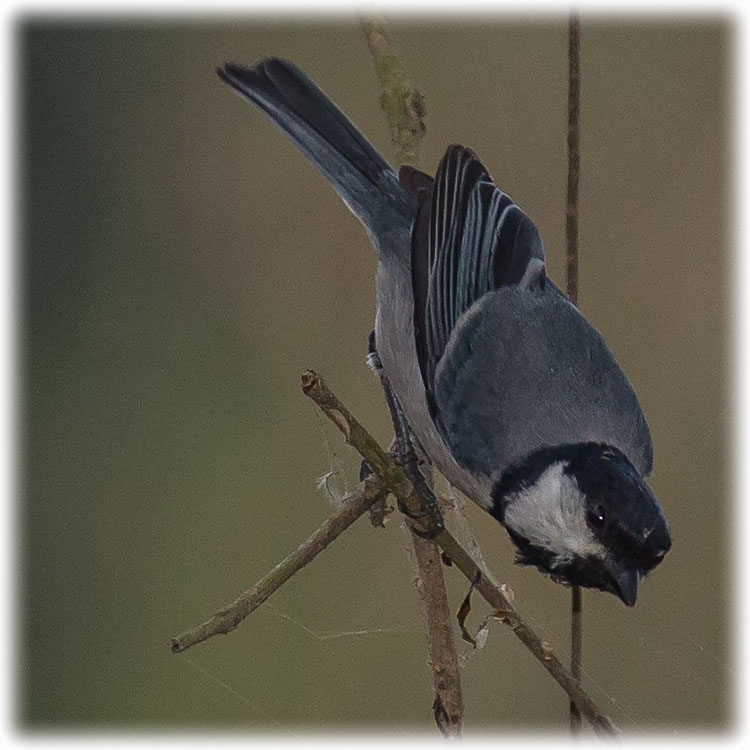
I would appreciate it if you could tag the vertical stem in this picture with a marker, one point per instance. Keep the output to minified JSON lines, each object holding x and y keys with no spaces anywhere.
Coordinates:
{"x":574,"y":101}
{"x":576,"y":649}
{"x":571,"y":231}
{"x":447,"y":706}
{"x":402,"y":103}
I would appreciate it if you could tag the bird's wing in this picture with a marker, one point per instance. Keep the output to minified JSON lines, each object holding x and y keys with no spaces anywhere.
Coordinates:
{"x":509,"y":364}
{"x":468,"y":239}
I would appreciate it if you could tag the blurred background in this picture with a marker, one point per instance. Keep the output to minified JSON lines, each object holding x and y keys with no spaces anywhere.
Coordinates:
{"x":181,"y":264}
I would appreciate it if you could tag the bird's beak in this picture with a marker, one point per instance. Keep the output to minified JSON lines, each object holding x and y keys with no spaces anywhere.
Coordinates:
{"x":625,"y":583}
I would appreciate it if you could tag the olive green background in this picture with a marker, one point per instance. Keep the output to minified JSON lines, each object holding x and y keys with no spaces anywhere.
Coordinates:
{"x":180,"y":265}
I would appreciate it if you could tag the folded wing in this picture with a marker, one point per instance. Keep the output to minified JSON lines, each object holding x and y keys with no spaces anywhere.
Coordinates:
{"x":509,"y":364}
{"x":469,"y":238}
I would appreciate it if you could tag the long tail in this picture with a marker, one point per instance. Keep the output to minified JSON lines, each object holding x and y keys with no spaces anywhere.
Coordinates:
{"x":363,"y":179}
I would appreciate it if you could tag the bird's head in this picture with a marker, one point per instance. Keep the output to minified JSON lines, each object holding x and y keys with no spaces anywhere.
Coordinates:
{"x":584,"y":515}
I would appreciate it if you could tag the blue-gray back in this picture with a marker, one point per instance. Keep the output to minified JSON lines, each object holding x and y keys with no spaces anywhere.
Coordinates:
{"x":523,"y":370}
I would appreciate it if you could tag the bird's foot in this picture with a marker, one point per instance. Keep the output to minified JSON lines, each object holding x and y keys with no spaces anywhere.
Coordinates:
{"x":428,"y":518}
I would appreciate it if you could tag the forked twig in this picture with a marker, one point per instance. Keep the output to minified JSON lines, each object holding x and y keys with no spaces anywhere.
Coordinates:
{"x":497,"y":596}
{"x":390,"y":478}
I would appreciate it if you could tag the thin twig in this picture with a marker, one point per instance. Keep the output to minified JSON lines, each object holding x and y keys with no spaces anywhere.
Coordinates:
{"x":402,"y":104}
{"x":389,"y":472}
{"x":574,"y":102}
{"x":576,"y":651}
{"x":571,"y":226}
{"x":497,"y":596}
{"x":226,"y":620}
{"x":448,"y":703}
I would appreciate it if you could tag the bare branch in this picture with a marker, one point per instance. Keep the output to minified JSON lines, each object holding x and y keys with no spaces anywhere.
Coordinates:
{"x":403,"y":105}
{"x":448,"y":704}
{"x":392,"y":479}
{"x":497,"y":596}
{"x":226,"y":620}
{"x":389,"y":472}
{"x":574,"y":99}
{"x":576,"y":651}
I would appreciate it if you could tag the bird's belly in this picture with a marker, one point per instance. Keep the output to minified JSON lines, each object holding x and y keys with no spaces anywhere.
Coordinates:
{"x":394,"y":336}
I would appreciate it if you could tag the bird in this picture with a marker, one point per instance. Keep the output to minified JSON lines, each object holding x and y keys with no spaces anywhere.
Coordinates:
{"x":507,"y":388}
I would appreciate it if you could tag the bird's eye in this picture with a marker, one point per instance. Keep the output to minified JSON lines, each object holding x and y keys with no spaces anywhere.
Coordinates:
{"x":596,"y":516}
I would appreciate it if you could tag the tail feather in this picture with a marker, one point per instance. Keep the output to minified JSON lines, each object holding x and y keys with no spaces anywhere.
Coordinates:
{"x":363,"y":179}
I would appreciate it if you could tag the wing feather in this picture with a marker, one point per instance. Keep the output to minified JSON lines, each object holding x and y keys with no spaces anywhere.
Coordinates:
{"x":476,"y":240}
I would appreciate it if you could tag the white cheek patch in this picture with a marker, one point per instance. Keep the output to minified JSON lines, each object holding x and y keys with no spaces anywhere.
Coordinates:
{"x":551,"y":514}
